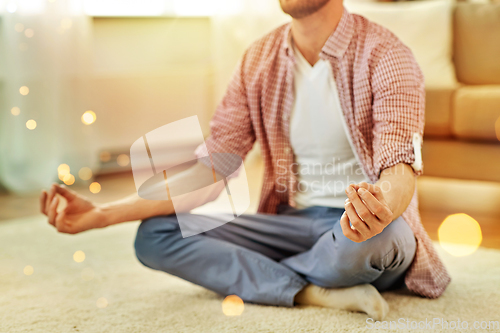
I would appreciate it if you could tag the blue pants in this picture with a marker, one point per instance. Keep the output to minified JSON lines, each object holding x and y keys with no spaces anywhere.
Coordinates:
{"x":268,"y":259}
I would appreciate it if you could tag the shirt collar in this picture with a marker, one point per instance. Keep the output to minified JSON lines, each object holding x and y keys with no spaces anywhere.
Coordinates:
{"x":335,"y":45}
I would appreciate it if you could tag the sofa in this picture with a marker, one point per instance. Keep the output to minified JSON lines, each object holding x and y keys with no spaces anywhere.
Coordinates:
{"x":462,"y":126}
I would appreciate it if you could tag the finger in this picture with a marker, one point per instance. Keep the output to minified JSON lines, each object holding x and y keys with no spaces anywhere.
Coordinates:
{"x":59,"y":222}
{"x":65,"y":192}
{"x":360,"y":226}
{"x":374,"y":189}
{"x":364,"y":184}
{"x":376,"y":207}
{"x":368,"y":198}
{"x":377,"y":192}
{"x":43,"y":197}
{"x":355,"y":186}
{"x":346,"y":229}
{"x":52,"y":213}
{"x":50,"y":197}
{"x":360,"y":207}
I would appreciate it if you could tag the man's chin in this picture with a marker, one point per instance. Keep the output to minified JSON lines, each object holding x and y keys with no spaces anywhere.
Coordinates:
{"x":298,"y":9}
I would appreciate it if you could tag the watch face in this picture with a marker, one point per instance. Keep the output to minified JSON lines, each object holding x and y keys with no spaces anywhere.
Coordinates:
{"x":417,"y":149}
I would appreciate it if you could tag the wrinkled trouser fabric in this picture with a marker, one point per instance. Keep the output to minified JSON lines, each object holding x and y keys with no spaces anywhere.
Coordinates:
{"x":268,"y":259}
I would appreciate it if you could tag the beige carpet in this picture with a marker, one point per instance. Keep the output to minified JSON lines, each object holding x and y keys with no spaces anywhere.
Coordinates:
{"x":55,"y":298}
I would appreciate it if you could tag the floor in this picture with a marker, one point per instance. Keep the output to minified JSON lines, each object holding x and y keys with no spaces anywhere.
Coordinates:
{"x":438,"y":198}
{"x":110,"y":291}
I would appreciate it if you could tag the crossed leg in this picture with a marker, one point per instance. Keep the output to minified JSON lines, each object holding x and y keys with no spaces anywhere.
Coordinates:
{"x":299,"y":256}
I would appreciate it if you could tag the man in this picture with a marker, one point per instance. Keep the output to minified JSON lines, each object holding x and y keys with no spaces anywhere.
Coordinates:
{"x":330,"y":86}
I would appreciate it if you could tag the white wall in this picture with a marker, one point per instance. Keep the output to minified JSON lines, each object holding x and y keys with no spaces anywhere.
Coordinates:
{"x":147,"y":72}
{"x":136,"y":74}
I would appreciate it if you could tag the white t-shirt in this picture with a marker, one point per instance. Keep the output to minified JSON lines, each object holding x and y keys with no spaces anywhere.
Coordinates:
{"x":326,"y":162}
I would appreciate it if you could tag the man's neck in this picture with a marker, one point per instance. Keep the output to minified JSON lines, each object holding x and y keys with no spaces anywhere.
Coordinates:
{"x":310,"y":33}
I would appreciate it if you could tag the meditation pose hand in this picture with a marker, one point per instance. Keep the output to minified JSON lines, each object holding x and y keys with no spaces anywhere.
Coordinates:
{"x":76,"y":213}
{"x":366,"y":212}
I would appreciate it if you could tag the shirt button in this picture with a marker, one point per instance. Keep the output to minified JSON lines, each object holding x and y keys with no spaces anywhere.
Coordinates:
{"x":285,"y":117}
{"x":287,"y":150}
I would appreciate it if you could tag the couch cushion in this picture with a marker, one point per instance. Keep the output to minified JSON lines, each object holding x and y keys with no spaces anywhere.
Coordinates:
{"x":461,"y":159}
{"x":476,"y":111}
{"x":438,"y":112}
{"x":477,"y":43}
{"x":424,"y":26}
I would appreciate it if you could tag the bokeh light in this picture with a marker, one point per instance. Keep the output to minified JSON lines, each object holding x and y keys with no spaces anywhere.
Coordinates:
{"x":460,"y":235}
{"x":69,"y":179}
{"x":11,"y":7}
{"x":29,"y":33}
{"x":62,"y":171}
{"x":28,"y":270}
{"x":15,"y":111}
{"x":24,"y":90}
{"x":31,"y":124}
{"x":123,"y":160}
{"x":95,"y":187}
{"x":101,"y":303}
{"x":85,"y":173}
{"x":88,"y":117}
{"x":19,"y":27}
{"x":232,"y":305}
{"x":88,"y":274}
{"x":79,"y":256}
{"x":497,"y":128}
{"x":105,"y":156}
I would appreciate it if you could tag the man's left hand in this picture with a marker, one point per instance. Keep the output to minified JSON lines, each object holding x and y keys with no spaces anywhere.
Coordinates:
{"x":366,"y":210}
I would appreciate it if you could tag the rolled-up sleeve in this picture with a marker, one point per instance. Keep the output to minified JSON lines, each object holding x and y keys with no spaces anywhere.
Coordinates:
{"x":398,"y":109}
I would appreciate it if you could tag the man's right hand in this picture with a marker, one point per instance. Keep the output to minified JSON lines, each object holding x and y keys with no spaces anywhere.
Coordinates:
{"x":79,"y":214}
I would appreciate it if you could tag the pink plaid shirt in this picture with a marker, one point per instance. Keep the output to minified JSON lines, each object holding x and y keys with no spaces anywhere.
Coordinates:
{"x":381,"y":90}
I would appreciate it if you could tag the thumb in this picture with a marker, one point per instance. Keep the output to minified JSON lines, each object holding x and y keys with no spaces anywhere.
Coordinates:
{"x":60,"y":218}
{"x":60,"y":222}
{"x":65,"y":192}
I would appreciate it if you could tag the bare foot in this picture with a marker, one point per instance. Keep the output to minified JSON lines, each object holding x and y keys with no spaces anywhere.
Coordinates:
{"x":362,"y":298}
